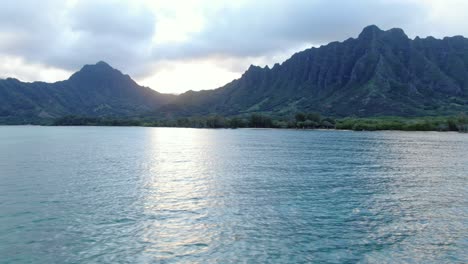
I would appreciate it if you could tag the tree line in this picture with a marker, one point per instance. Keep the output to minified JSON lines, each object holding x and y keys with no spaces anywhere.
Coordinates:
{"x":298,"y":121}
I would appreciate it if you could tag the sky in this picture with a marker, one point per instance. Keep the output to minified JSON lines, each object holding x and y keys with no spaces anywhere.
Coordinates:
{"x":173,"y":46}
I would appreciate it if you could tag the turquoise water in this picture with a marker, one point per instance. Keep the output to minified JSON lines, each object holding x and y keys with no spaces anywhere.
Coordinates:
{"x":174,"y":195}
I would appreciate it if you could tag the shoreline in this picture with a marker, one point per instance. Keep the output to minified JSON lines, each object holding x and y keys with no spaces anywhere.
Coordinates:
{"x":299,"y":121}
{"x":227,"y":128}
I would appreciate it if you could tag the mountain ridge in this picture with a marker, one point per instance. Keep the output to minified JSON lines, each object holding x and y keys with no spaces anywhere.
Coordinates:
{"x":335,"y":78}
{"x":379,"y":73}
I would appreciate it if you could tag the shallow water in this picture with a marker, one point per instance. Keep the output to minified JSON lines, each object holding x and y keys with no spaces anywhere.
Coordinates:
{"x":170,"y":195}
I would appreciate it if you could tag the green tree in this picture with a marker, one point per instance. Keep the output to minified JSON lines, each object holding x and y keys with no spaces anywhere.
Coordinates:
{"x":215,"y":121}
{"x":326,"y":124}
{"x":258,"y":120}
{"x":314,"y":117}
{"x":236,"y":122}
{"x":300,"y":117}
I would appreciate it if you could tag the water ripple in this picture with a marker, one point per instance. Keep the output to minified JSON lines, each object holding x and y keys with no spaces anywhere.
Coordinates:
{"x":145,"y":195}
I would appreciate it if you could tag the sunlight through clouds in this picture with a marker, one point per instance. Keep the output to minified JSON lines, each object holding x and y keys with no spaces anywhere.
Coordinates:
{"x":181,"y":76}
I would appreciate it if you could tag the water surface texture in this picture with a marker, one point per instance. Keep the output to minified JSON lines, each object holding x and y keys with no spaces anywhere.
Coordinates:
{"x":174,"y":195}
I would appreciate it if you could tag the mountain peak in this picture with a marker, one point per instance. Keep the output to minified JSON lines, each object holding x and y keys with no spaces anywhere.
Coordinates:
{"x":397,"y":32}
{"x":253,"y":67}
{"x":100,"y":65}
{"x":370,"y":31}
{"x":100,"y":70}
{"x":373,"y":32}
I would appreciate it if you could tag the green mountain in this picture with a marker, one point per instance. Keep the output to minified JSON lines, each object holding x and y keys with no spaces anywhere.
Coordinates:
{"x":378,"y":73}
{"x":95,"y":90}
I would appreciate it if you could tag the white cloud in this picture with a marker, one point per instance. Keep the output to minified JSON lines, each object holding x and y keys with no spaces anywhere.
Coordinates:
{"x":446,"y":18}
{"x":14,"y":67}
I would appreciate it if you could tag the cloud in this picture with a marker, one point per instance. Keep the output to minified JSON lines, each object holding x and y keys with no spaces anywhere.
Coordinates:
{"x":263,"y":27}
{"x":14,"y":67}
{"x":143,"y":37}
{"x":70,"y":34}
{"x":115,"y":19}
{"x":173,"y":77}
{"x":25,"y":32}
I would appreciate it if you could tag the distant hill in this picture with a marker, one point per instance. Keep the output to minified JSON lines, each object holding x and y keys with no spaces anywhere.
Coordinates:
{"x":95,"y":90}
{"x":378,"y":73}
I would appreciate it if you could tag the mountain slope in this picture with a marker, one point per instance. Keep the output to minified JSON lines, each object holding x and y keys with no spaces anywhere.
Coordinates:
{"x":378,"y":73}
{"x":95,"y":90}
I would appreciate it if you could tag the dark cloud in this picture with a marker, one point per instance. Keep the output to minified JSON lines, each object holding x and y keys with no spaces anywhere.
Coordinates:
{"x":112,"y":19}
{"x":58,"y":34}
{"x":24,"y":31}
{"x":68,"y":34}
{"x":267,"y":26}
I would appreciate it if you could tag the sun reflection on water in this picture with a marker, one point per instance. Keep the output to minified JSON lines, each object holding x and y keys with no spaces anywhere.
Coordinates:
{"x":151,"y":195}
{"x":178,"y":192}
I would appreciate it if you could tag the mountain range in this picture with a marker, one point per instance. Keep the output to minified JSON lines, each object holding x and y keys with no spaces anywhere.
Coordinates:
{"x":379,"y":73}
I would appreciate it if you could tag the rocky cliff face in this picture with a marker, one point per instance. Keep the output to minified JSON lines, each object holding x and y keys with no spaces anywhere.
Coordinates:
{"x":378,"y":73}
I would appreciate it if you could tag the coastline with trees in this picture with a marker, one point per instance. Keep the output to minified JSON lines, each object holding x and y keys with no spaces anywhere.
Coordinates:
{"x":298,"y":121}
